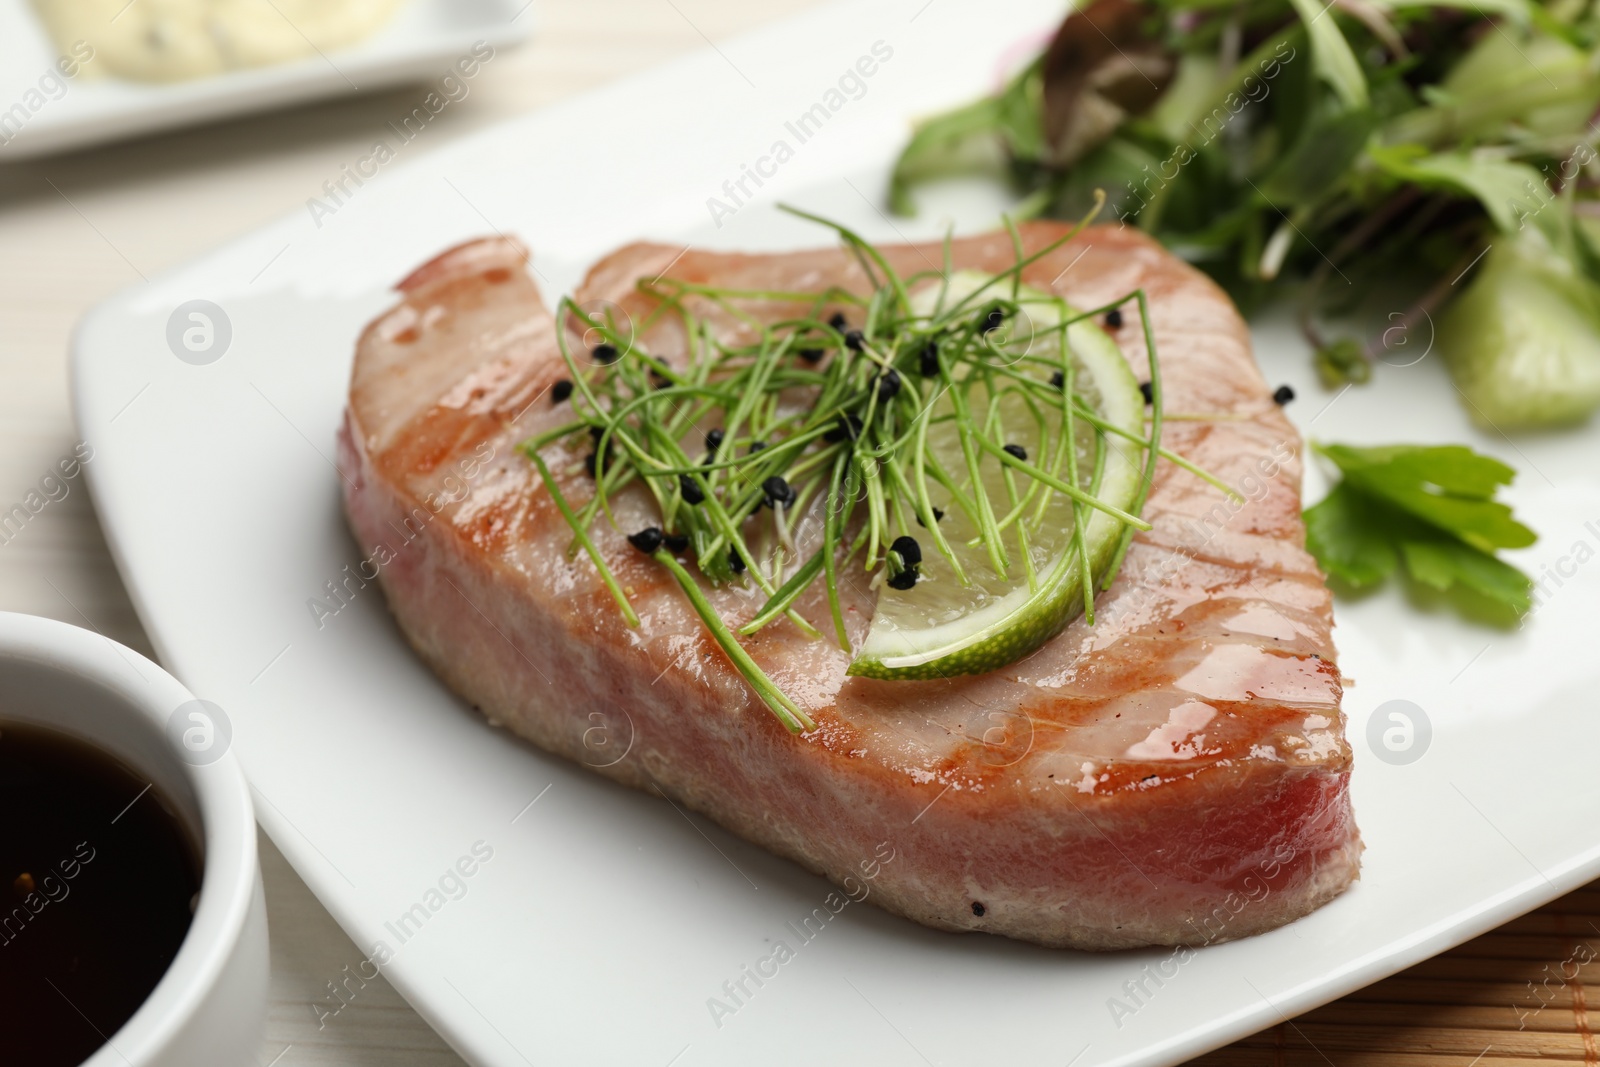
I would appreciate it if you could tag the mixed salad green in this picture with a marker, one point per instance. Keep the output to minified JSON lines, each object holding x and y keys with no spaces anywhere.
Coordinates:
{"x":1439,"y":155}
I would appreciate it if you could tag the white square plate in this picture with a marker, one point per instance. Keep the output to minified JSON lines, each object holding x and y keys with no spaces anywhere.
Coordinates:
{"x":42,"y":112}
{"x":605,"y":920}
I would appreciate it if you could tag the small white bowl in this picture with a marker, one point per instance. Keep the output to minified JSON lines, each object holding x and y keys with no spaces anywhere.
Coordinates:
{"x":208,"y":1009}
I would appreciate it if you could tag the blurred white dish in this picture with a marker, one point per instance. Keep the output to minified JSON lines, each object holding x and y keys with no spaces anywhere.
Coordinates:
{"x":51,"y":100}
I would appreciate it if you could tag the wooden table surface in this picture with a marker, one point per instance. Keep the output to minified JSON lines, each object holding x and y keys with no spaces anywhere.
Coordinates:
{"x":76,"y":228}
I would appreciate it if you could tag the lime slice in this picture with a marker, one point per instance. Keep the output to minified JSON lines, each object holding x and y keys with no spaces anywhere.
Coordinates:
{"x":940,"y":626}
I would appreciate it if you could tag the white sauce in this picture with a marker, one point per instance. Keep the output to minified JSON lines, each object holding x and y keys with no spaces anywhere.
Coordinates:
{"x":171,"y":40}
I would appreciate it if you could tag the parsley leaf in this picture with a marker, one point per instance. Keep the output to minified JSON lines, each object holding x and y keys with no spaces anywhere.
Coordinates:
{"x":1346,"y":532}
{"x":1430,"y":508}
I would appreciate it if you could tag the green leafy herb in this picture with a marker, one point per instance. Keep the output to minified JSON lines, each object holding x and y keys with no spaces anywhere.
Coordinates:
{"x":1331,"y":56}
{"x":1430,"y":508}
{"x":1340,"y":152}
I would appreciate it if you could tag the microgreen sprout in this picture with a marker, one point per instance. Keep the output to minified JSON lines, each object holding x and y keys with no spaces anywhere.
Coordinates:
{"x":816,"y":463}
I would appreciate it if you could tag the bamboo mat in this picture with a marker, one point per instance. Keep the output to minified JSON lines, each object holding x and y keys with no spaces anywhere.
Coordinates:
{"x":1516,"y":996}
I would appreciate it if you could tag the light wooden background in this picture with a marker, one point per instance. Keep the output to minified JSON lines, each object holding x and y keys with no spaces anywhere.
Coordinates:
{"x":76,"y":228}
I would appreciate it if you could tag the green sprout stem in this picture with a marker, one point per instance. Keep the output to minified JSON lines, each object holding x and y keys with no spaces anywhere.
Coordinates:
{"x":816,"y":440}
{"x":788,"y":712}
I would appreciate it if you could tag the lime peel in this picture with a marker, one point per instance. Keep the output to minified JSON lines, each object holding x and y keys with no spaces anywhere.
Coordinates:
{"x":942,"y":628}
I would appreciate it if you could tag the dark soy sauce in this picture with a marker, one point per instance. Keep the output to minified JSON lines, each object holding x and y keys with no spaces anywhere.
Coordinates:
{"x":98,"y":881}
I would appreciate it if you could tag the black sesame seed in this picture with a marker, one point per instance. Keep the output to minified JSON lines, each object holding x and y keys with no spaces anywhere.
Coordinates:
{"x":713,"y":442}
{"x":646,"y":540}
{"x":597,"y":432}
{"x":1114,"y":319}
{"x":810,"y":355}
{"x":692,"y":493}
{"x":978,"y":909}
{"x":1016,"y":450}
{"x":756,"y":446}
{"x":675,"y":542}
{"x":1282,"y":395}
{"x":1057,"y":380}
{"x":588,"y":463}
{"x":910,"y":554}
{"x":848,"y":428}
{"x":778,"y":491}
{"x":930,"y":359}
{"x":1148,"y":391}
{"x":888,"y":384}
{"x":938,"y":513}
{"x":837,"y":321}
{"x":904,"y":580}
{"x":560,"y":391}
{"x":853,"y":340}
{"x":604,"y":353}
{"x":992,"y":319}
{"x":735,"y":561}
